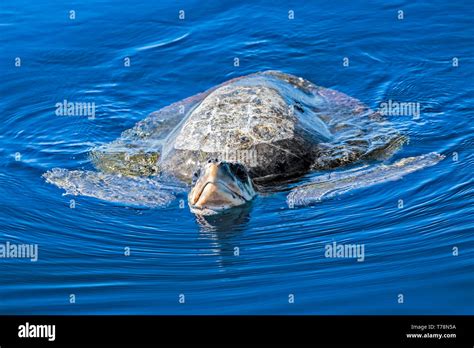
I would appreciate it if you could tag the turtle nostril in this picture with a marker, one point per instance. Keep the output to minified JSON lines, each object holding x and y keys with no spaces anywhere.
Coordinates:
{"x":209,"y":161}
{"x":216,"y":160}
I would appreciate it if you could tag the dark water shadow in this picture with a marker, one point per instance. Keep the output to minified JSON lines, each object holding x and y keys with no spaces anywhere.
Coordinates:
{"x":224,"y":230}
{"x":226,"y":223}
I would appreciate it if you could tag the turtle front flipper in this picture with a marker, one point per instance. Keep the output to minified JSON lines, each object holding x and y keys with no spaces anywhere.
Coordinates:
{"x":330,"y":185}
{"x":126,"y":158}
{"x":134,"y":191}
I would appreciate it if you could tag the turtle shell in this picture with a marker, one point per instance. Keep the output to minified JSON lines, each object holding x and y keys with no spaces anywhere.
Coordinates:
{"x":276,"y":124}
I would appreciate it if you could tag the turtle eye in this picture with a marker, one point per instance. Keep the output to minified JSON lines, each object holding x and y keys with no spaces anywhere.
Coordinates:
{"x":196,"y":175}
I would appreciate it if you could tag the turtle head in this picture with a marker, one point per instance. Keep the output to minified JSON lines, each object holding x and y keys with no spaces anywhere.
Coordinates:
{"x":220,"y":186}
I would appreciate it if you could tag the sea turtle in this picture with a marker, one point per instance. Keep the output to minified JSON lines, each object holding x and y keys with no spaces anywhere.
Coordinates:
{"x":245,"y":136}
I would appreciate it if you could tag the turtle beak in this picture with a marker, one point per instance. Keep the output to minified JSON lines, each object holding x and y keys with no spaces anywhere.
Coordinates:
{"x":218,"y":189}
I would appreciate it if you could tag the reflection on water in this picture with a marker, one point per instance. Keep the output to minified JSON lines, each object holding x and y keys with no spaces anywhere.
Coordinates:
{"x":223,"y":232}
{"x":221,"y":228}
{"x":224,"y":224}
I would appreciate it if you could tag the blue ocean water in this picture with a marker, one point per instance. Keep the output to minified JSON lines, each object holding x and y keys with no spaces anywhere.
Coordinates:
{"x":423,"y":251}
